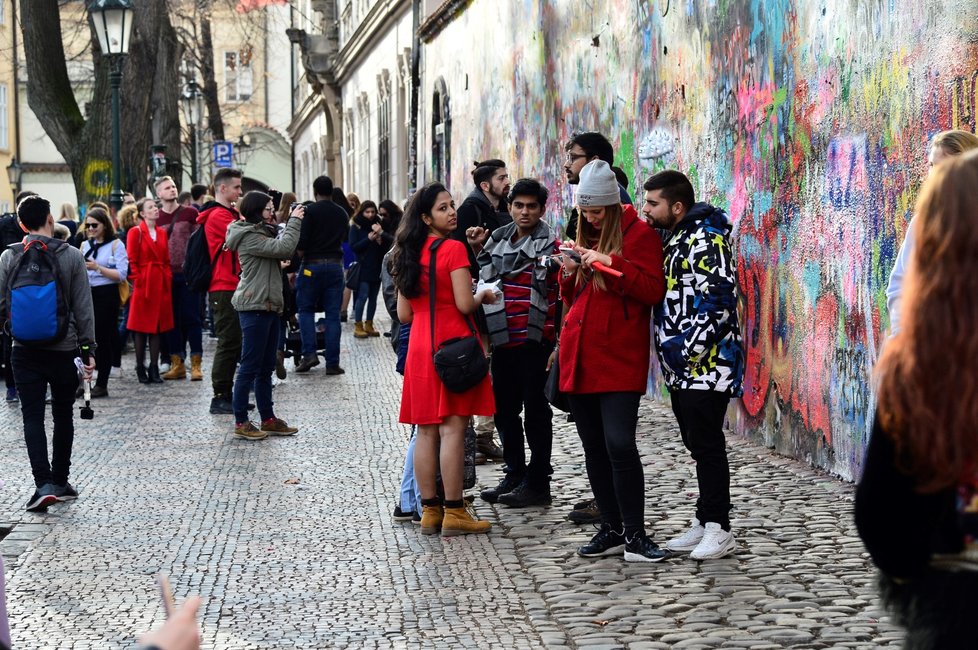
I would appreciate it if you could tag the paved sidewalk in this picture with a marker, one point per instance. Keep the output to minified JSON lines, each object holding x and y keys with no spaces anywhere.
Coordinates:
{"x":291,"y":544}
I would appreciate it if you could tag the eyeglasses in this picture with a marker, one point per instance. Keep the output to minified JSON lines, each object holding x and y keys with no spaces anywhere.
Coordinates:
{"x":92,"y":226}
{"x":571,"y":157}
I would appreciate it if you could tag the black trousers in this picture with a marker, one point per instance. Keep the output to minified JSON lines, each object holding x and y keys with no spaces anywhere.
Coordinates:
{"x":518,"y":376}
{"x":606,"y":423}
{"x":700,"y":415}
{"x":105,"y":302}
{"x":34,"y":370}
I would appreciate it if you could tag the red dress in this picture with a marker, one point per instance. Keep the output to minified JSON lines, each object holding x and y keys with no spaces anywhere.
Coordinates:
{"x":424,"y":399}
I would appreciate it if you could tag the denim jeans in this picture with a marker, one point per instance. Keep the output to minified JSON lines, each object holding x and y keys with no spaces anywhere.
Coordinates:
{"x":259,"y":341}
{"x":187,"y":324}
{"x":366,"y":294}
{"x":34,"y":370}
{"x":700,"y":415}
{"x":320,"y":284}
{"x":606,"y":423}
{"x":410,"y":492}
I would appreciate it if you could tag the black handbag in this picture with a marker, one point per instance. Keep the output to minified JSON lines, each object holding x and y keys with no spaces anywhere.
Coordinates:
{"x":353,"y":276}
{"x":551,"y":389}
{"x":460,"y":362}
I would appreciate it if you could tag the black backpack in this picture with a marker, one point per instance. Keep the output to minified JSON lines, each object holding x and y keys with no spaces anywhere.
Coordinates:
{"x":198,"y":264}
{"x":37,"y":307}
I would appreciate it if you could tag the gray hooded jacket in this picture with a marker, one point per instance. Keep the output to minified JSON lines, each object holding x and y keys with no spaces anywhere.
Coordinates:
{"x":260,"y":285}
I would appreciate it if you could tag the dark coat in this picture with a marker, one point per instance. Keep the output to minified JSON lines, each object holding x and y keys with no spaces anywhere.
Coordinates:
{"x":369,"y":253}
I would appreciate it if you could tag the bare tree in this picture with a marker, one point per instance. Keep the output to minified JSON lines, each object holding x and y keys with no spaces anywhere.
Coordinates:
{"x":149,"y":97}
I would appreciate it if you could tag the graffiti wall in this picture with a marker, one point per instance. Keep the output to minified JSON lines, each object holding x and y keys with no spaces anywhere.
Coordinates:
{"x":807,"y":121}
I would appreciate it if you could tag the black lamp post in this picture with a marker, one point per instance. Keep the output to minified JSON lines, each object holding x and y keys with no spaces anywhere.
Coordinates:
{"x":112,"y":20}
{"x":193,"y":111}
{"x":14,"y":172}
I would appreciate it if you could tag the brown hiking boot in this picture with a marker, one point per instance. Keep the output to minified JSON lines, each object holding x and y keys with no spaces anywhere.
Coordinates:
{"x":248,"y":431}
{"x":368,"y":327}
{"x":431,"y":519}
{"x":358,"y":331}
{"x":177,"y":369}
{"x":459,"y":521}
{"x":277,"y":427}
{"x":196,"y":374}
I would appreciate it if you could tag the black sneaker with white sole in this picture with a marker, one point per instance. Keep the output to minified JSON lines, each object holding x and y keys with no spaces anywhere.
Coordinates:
{"x":43,"y":497}
{"x":65,"y":492}
{"x":642,"y":549}
{"x":606,"y":542}
{"x":401,"y":515}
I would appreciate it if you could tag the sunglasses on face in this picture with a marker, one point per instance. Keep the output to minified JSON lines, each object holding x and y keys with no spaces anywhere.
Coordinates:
{"x":92,"y":226}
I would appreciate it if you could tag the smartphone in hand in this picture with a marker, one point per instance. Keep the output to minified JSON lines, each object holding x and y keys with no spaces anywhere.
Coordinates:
{"x":571,"y":253}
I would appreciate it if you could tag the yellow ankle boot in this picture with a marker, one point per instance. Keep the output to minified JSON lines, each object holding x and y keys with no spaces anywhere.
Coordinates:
{"x":368,"y":327}
{"x":177,"y":369}
{"x":358,"y":331}
{"x":431,"y":518}
{"x":196,"y":374}
{"x":458,"y":521}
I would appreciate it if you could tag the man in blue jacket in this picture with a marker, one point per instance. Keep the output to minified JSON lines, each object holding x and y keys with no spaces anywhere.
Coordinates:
{"x":698,"y":340}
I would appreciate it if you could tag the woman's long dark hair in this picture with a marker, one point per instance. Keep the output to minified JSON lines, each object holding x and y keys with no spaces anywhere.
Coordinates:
{"x":411,"y":236}
{"x":252,"y":206}
{"x":393,"y":218}
{"x":358,"y":217}
{"x":339,"y":198}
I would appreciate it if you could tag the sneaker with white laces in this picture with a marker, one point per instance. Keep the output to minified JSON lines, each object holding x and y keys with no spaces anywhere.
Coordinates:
{"x":642,"y":549}
{"x":716,"y":543}
{"x":688,"y":540}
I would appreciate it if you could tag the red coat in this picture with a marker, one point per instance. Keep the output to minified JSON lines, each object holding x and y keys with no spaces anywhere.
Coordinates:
{"x":605,"y":343}
{"x":151,"y":304}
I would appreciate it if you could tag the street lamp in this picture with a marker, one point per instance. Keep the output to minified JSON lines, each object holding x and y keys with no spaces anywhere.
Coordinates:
{"x":14,"y":172}
{"x":193,"y":112}
{"x":112,"y":21}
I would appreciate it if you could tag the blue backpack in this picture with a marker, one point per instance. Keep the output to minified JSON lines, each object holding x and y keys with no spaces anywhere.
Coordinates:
{"x":37,"y":308}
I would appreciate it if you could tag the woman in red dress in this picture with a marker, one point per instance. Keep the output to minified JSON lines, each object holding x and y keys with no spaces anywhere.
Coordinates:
{"x":441,"y":415}
{"x":150,"y":306}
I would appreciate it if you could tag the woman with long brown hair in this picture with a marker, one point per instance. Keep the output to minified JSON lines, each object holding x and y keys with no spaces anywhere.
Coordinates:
{"x":917,"y":501}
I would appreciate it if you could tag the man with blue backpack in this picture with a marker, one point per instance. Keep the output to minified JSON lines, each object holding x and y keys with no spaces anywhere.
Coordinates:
{"x":46,"y":306}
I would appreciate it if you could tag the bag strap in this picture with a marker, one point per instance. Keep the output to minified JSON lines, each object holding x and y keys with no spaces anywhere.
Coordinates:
{"x":431,"y":296}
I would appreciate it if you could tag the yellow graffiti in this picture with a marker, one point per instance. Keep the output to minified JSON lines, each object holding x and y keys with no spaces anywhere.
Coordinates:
{"x":98,"y":177}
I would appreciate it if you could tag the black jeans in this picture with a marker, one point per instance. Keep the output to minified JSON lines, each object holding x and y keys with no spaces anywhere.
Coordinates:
{"x":700,"y":415}
{"x":518,"y":376}
{"x":606,"y":423}
{"x":33,"y":371}
{"x":105,"y":303}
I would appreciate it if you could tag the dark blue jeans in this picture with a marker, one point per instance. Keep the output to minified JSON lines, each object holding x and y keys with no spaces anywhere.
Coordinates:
{"x":320,"y":284}
{"x":34,"y":370}
{"x":187,"y":324}
{"x":259,"y":342}
{"x":366,"y":295}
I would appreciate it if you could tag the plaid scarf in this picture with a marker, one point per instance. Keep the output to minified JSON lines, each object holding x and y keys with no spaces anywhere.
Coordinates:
{"x":501,"y":258}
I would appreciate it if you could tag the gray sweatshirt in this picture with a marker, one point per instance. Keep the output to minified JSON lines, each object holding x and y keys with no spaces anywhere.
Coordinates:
{"x":81,"y":315}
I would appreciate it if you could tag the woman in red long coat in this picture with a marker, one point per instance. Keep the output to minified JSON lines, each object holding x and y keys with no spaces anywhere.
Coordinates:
{"x":604,"y":355}
{"x":150,"y":307}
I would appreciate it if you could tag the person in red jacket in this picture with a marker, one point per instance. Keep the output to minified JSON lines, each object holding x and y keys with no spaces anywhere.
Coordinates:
{"x":215,"y":217}
{"x":604,"y":355}
{"x":150,"y":307}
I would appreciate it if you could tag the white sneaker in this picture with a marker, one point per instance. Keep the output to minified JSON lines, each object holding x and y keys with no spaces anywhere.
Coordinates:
{"x":688,"y":540}
{"x":716,"y":543}
{"x":164,"y":367}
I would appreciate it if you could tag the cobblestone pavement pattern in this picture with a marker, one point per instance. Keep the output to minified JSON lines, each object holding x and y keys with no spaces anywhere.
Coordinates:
{"x":317,"y":562}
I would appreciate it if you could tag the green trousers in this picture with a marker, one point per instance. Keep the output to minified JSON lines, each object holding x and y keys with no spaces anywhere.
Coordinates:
{"x":228,"y":352}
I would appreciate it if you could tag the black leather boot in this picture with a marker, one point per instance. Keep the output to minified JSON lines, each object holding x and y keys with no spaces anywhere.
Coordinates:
{"x":141,"y":374}
{"x":154,"y":374}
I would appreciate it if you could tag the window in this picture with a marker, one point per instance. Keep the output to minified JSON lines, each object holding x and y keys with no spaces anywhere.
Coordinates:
{"x":4,"y":139}
{"x":384,"y":139}
{"x":441,"y":135}
{"x":237,"y":76}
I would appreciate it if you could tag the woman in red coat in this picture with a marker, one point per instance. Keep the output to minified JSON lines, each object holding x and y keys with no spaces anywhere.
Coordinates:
{"x":604,"y":355}
{"x":150,"y":306}
{"x":441,"y":415}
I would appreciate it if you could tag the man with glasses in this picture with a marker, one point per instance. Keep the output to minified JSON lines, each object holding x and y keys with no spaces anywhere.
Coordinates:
{"x":581,"y":149}
{"x":180,"y":222}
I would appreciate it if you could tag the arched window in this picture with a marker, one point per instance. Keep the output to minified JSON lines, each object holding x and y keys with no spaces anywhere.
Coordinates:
{"x":441,"y":134}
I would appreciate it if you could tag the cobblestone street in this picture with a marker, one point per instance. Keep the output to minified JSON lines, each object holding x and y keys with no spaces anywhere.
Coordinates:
{"x":291,"y":544}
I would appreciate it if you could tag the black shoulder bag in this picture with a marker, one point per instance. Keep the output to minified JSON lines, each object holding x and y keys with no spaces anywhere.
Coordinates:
{"x":460,"y":362}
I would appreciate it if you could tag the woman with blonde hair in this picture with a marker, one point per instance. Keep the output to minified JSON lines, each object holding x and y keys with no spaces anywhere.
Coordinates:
{"x":69,"y":218}
{"x":945,"y":145}
{"x":917,"y":502}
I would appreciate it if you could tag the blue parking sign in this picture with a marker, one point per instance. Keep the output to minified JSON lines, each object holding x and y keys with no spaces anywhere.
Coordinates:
{"x":223,"y":154}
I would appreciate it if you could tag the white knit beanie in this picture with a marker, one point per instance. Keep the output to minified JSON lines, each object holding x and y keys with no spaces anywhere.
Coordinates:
{"x":598,"y":185}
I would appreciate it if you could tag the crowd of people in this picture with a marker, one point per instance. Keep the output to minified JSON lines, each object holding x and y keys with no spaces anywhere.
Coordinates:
{"x":496,"y":316}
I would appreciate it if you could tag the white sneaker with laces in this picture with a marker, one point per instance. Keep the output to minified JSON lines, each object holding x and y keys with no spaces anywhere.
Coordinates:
{"x":716,"y":543}
{"x":688,"y":540}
